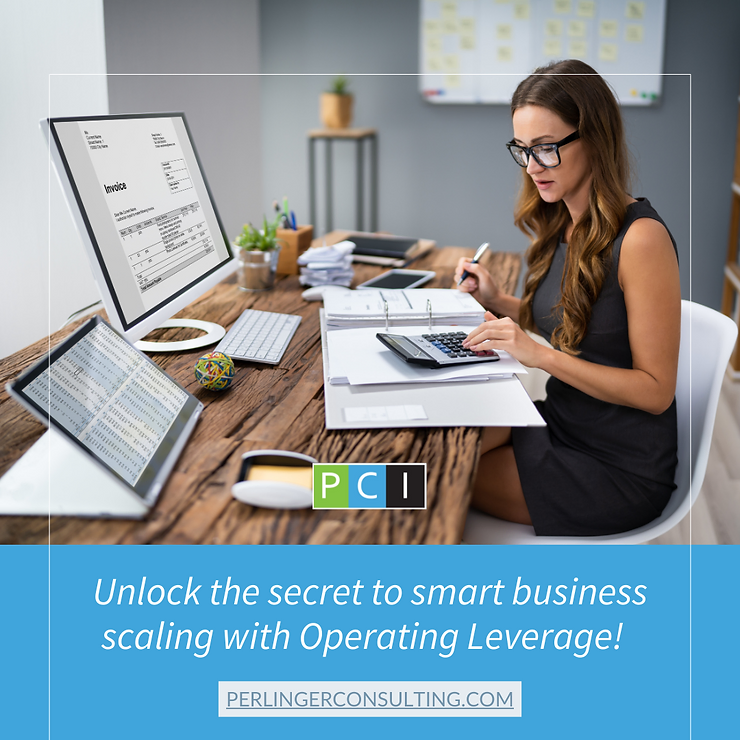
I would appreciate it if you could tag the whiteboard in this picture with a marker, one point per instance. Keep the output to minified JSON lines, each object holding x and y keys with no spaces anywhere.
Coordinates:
{"x":477,"y":51}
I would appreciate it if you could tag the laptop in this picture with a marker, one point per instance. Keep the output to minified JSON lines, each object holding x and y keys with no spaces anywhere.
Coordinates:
{"x":117,"y":424}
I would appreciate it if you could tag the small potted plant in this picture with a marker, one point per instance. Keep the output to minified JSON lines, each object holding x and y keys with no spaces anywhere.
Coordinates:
{"x":258,"y":251}
{"x":336,"y":104}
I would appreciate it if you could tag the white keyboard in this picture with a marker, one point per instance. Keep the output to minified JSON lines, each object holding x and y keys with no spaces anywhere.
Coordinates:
{"x":259,"y":336}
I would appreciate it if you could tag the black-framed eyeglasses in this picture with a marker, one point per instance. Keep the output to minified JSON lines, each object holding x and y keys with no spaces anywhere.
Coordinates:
{"x":546,"y":155}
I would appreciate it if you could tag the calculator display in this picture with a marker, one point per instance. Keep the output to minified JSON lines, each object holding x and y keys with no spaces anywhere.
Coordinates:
{"x":405,"y":345}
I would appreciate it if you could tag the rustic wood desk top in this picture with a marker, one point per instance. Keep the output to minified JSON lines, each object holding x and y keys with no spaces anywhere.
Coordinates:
{"x":280,"y":407}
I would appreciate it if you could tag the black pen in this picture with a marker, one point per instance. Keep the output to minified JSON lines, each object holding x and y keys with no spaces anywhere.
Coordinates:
{"x":482,"y":248}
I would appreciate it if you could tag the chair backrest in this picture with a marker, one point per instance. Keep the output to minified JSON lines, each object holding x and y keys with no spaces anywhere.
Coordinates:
{"x":707,"y":340}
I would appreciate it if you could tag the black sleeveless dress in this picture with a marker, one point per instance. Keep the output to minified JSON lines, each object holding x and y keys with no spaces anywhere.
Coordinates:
{"x":597,"y":467}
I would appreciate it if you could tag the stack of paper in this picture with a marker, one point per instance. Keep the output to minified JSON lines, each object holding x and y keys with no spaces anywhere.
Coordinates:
{"x":327,"y":265}
{"x":357,"y":357}
{"x":416,"y":307}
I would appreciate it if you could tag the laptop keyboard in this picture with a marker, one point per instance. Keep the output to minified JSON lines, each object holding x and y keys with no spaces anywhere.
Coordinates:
{"x":259,"y":336}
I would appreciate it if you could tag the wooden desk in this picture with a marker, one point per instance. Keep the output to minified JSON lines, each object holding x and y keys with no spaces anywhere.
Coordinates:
{"x":268,"y":407}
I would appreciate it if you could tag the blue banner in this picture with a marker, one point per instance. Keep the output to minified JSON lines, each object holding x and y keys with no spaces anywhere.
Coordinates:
{"x":167,"y":641}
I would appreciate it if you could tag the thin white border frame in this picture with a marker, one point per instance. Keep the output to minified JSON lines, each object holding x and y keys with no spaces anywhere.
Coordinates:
{"x":386,"y":74}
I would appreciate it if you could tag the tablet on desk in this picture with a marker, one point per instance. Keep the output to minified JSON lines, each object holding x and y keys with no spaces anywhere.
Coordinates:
{"x":115,"y":406}
{"x":399,"y":279}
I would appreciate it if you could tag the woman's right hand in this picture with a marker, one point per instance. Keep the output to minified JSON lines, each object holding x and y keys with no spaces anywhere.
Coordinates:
{"x":479,"y":283}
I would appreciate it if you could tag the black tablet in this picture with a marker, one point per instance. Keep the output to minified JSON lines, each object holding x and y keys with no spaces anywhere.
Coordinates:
{"x":114,"y":403}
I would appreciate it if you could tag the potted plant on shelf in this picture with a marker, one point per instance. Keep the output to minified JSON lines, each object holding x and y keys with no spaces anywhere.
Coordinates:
{"x":336,"y":104}
{"x":258,"y":251}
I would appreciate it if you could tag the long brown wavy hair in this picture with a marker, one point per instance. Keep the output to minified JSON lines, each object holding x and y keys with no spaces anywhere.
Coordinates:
{"x":575,"y":92}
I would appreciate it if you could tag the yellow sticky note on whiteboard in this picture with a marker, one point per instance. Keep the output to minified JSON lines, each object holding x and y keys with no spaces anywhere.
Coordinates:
{"x":586,"y":9}
{"x":452,"y":81}
{"x":552,"y":48}
{"x":553,"y":27}
{"x":467,"y":41}
{"x":635,"y":11}
{"x":608,"y":29}
{"x":578,"y":50}
{"x":449,"y":26}
{"x":504,"y":54}
{"x":633,"y":32}
{"x":434,"y":63}
{"x":504,"y":31}
{"x":432,"y":26}
{"x":434,"y":43}
{"x":608,"y":52}
{"x":466,"y":25}
{"x":451,"y":63}
{"x":449,"y":9}
{"x":576,"y":28}
{"x":521,"y":10}
{"x":561,"y":6}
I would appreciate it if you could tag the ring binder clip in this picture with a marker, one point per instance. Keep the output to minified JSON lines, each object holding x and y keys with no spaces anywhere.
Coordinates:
{"x":429,"y":309}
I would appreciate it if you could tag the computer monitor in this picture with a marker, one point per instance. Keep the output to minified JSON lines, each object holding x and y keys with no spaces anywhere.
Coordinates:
{"x":139,"y":198}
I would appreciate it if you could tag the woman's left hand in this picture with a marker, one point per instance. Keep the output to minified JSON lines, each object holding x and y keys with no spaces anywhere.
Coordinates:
{"x":507,"y":335}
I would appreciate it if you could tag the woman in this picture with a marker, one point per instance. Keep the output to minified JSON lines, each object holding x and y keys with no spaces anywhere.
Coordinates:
{"x":602,"y":286}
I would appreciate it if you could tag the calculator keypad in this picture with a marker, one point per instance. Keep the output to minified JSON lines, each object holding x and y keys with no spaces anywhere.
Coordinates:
{"x":451,"y":344}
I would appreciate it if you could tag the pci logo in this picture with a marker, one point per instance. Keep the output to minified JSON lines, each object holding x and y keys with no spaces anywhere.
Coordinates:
{"x":357,"y":486}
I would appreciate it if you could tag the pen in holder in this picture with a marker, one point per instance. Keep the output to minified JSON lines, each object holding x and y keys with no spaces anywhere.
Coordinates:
{"x":294,"y":243}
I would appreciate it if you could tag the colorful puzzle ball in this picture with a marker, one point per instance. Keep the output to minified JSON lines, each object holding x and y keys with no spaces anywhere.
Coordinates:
{"x":215,"y":371}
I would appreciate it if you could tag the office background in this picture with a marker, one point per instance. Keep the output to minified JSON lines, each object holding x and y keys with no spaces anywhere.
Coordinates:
{"x":248,"y":75}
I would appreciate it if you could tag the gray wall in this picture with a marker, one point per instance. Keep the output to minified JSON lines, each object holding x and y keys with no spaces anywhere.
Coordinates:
{"x":52,"y":62}
{"x":444,"y":172}
{"x":173,"y":55}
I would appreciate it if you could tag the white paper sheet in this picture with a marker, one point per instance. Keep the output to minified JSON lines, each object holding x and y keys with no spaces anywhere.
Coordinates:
{"x":357,"y":357}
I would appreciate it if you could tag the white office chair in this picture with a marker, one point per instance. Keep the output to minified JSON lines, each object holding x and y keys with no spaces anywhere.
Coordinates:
{"x":707,"y":340}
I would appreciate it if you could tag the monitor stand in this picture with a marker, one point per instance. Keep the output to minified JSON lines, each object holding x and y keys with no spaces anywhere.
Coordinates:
{"x":56,"y":478}
{"x":214,"y":334}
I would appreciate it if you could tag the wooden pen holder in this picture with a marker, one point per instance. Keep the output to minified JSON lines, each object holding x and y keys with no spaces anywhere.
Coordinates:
{"x":293,"y":244}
